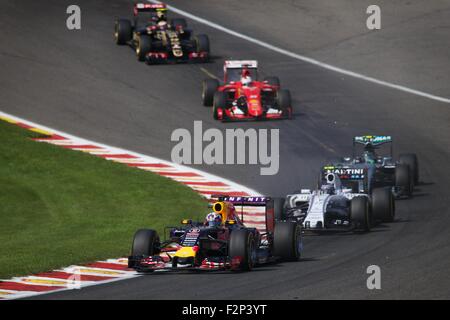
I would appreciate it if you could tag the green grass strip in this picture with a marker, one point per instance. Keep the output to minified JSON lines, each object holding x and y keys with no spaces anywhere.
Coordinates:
{"x":60,"y":207}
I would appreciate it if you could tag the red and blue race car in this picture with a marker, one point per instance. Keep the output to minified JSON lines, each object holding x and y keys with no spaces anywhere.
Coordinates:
{"x":242,"y":96}
{"x":222,"y":242}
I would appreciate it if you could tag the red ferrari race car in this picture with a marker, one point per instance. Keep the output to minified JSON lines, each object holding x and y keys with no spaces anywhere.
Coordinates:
{"x":243,"y":97}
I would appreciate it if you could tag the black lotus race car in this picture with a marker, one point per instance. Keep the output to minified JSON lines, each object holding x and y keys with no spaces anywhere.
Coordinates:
{"x":382,"y":169}
{"x":230,"y":245}
{"x":156,"y":40}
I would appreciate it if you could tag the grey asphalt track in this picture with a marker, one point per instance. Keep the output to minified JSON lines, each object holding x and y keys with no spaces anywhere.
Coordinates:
{"x":82,"y":83}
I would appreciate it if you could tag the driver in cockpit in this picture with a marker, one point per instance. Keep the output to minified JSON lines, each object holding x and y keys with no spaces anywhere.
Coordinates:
{"x":369,"y":155}
{"x":213,"y":219}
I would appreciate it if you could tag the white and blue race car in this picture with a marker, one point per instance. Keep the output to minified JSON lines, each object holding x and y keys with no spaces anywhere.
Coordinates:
{"x":340,"y":203}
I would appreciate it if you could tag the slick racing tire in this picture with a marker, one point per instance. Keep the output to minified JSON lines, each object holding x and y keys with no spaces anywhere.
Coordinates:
{"x":278,"y":208}
{"x":360,"y":213}
{"x":143,"y":46}
{"x":273,"y":81}
{"x":122,"y":31}
{"x":242,"y":248}
{"x":403,"y":179}
{"x":284,"y":99}
{"x":287,"y":240}
{"x":411,"y":160}
{"x":209,"y":89}
{"x":145,"y":243}
{"x":201,"y":43}
{"x":178,"y":22}
{"x":220,"y":101}
{"x":383,"y":204}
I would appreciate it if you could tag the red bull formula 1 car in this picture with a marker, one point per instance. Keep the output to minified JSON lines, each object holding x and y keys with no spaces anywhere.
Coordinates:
{"x":221,"y":242}
{"x":157,"y":40}
{"x":242,"y":97}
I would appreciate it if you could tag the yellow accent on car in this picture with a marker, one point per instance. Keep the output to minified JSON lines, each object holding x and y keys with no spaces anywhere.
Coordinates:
{"x":185,"y":252}
{"x":222,"y":209}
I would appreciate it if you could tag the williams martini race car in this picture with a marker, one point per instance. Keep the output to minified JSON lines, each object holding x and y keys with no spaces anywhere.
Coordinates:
{"x":221,"y":242}
{"x":242,"y":97}
{"x":341,"y":203}
{"x":156,"y":40}
{"x":383,"y":170}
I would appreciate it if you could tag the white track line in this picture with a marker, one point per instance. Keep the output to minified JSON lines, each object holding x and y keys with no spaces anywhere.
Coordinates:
{"x":304,"y":58}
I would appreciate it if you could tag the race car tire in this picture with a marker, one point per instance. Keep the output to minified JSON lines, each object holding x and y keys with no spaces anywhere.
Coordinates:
{"x":201,"y":43}
{"x":209,"y":89}
{"x":242,"y":247}
{"x":143,"y":46}
{"x":284,"y":99}
{"x":273,"y":81}
{"x":178,"y":22}
{"x":278,"y":208}
{"x":383,"y":204}
{"x":404,"y":179}
{"x":122,"y":31}
{"x":220,"y":101}
{"x":360,"y":213}
{"x":145,"y":243}
{"x":411,"y":160}
{"x":287,"y":241}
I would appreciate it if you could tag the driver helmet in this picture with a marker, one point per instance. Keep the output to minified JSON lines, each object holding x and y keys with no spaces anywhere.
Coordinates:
{"x":245,"y":77}
{"x":369,"y":157}
{"x":213,"y":219}
{"x":161,"y":14}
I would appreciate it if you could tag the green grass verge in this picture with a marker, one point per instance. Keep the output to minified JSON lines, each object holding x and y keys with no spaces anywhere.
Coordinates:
{"x":60,"y":207}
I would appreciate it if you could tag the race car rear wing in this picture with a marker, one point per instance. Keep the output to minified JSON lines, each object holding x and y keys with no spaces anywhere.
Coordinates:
{"x":149,"y":7}
{"x":241,"y":64}
{"x":233,"y":66}
{"x":371,"y":142}
{"x":257,"y":201}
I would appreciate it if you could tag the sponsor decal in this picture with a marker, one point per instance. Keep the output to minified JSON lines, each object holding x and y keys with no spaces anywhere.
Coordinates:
{"x":345,"y":171}
{"x":373,"y":139}
{"x":245,"y":199}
